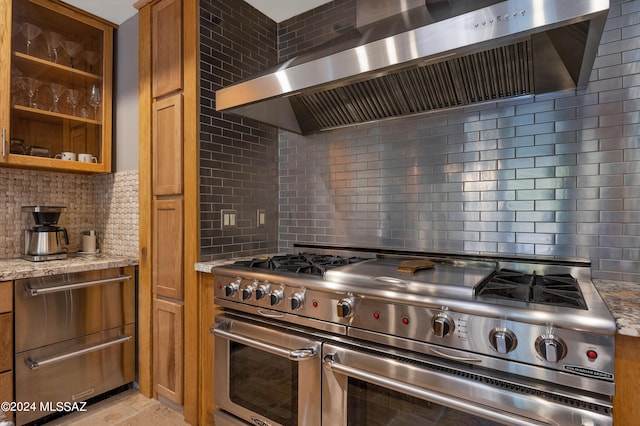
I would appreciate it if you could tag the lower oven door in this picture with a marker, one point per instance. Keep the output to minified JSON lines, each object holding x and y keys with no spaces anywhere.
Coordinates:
{"x":365,"y":387}
{"x":266,"y":375}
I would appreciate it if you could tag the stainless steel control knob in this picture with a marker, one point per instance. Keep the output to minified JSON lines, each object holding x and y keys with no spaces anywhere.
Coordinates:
{"x":231,"y":288}
{"x":275,"y":297}
{"x":551,"y":348}
{"x":503,"y":340}
{"x":442,"y":325}
{"x":247,"y":292}
{"x":297,"y":301}
{"x":345,"y":308}
{"x":261,"y":291}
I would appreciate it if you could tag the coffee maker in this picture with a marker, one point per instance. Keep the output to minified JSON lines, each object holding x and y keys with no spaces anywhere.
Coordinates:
{"x":45,"y":240}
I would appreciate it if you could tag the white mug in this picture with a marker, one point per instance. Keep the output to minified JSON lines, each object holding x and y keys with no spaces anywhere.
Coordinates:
{"x":66,"y":155}
{"x":87,"y":158}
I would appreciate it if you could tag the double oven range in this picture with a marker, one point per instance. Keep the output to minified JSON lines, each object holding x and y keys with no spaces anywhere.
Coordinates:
{"x":368,"y":337}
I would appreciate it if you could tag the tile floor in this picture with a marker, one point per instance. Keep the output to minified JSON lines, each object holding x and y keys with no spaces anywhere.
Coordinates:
{"x":128,"y":408}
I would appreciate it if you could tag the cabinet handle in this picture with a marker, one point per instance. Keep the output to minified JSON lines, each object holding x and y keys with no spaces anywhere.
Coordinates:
{"x":34,"y":365}
{"x":46,"y":290}
{"x":4,"y":139}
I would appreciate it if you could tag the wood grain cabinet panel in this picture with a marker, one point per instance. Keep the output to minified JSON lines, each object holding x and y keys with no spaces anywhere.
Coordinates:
{"x":167,"y":144}
{"x":167,"y":248}
{"x":167,"y":343}
{"x":6,"y":296}
{"x":6,"y":342}
{"x":627,"y":377}
{"x":166,"y":46}
{"x":6,"y":390}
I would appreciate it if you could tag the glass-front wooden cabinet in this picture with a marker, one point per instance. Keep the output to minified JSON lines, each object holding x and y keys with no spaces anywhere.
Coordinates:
{"x":55,"y":102}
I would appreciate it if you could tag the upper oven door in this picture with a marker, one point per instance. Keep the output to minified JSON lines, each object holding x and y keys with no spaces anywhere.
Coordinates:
{"x":266,"y":375}
{"x":373,"y":388}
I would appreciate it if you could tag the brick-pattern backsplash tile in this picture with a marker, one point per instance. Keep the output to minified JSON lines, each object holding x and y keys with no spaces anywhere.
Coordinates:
{"x":556,"y":174}
{"x":238,"y":167}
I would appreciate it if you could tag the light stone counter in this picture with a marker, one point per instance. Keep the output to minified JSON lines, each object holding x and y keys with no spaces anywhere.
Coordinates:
{"x":623,"y":300}
{"x":15,"y":269}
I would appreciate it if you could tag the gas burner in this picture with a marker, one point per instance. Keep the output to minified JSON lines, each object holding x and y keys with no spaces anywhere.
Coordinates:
{"x":558,"y":290}
{"x":302,"y":263}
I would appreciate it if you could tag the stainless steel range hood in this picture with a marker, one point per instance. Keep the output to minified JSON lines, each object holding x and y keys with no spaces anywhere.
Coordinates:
{"x":428,"y":55}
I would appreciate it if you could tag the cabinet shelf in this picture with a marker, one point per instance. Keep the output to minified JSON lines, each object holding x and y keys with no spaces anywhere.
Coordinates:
{"x":32,"y":66}
{"x":36,"y":114}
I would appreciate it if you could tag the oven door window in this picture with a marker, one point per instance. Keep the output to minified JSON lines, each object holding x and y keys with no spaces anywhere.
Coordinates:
{"x":373,"y":405}
{"x":264,"y":383}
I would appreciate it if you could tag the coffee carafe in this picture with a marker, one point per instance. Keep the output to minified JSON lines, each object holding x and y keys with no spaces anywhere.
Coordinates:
{"x":46,"y":240}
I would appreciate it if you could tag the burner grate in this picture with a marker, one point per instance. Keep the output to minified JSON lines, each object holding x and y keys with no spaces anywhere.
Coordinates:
{"x":560,"y":290}
{"x":302,"y":263}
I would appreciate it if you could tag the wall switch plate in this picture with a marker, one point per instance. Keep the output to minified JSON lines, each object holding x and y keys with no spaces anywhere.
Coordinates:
{"x":260,"y":217}
{"x":228,"y":218}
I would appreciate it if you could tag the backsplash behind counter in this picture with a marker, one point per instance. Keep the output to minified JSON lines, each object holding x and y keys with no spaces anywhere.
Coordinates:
{"x":556,"y":174}
{"x":107,"y":203}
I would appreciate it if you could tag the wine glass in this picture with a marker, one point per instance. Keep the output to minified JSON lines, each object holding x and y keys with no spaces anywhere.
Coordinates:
{"x":73,"y":96}
{"x":31,"y":86}
{"x":72,"y":48}
{"x":53,"y":40}
{"x":30,"y":32}
{"x":57,"y":90}
{"x":91,"y":57}
{"x":94,"y":99}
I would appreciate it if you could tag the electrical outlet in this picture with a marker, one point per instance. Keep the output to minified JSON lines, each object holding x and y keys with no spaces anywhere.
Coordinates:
{"x":228,"y":219}
{"x":260,"y":217}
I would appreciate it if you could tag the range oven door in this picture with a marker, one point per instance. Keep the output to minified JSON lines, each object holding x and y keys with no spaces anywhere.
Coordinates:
{"x":365,"y":387}
{"x":266,"y":375}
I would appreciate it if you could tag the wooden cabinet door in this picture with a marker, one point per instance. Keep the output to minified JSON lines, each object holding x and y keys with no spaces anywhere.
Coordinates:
{"x":166,"y":146}
{"x":166,"y":47}
{"x":6,"y":342}
{"x":167,"y":248}
{"x":167,"y":348}
{"x":5,"y":77}
{"x":6,"y":390}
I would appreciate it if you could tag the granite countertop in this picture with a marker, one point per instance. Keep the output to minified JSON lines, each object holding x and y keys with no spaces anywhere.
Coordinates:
{"x":622,"y":298}
{"x":15,"y":269}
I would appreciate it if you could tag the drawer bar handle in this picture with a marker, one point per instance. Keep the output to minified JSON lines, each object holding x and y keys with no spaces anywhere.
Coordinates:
{"x":34,"y":365}
{"x":39,"y":291}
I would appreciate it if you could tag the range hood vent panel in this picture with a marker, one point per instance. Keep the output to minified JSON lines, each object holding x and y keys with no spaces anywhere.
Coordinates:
{"x":491,"y":75}
{"x":542,"y":46}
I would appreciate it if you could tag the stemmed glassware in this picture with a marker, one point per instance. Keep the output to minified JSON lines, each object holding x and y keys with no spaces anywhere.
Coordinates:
{"x":91,"y":57}
{"x":72,"y":48}
{"x":53,"y":40}
{"x":94,"y":99}
{"x":30,"y":32}
{"x":31,"y":86}
{"x":57,"y":90}
{"x":73,"y":97}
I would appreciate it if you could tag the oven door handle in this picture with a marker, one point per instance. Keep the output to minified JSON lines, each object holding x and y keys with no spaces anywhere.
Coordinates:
{"x":46,"y":290}
{"x":302,"y":354}
{"x":34,"y":365}
{"x":330,"y":363}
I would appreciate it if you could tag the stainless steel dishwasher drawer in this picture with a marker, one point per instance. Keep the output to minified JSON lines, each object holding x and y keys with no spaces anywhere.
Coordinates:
{"x":55,"y":308}
{"x":75,"y":370}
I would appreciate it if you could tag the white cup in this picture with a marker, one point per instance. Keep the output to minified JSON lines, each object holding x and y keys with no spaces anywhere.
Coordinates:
{"x":87,"y":158}
{"x":66,"y":155}
{"x":89,"y":241}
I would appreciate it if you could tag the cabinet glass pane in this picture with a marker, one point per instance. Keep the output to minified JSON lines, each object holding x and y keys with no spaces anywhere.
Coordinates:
{"x":57,"y":84}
